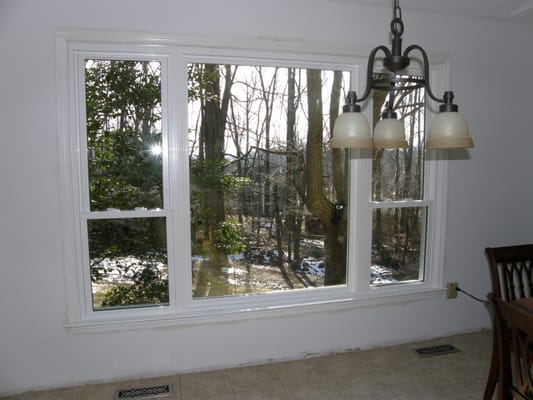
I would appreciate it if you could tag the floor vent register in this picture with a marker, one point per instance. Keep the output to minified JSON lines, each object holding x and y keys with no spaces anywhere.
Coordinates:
{"x":438,"y":350}
{"x":145,"y":392}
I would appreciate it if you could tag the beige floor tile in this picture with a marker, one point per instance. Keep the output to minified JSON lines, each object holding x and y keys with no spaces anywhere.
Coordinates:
{"x":272,"y":393}
{"x":205,"y":383}
{"x":407,"y":377}
{"x":459,"y":368}
{"x":396,"y":357}
{"x":468,"y":391}
{"x":56,"y":394}
{"x":298,"y":370}
{"x":211,"y":396}
{"x":364,"y":386}
{"x":101,"y":391}
{"x":255,"y":377}
{"x":343,"y":364}
{"x":421,"y":393}
{"x":312,"y":391}
{"x":477,"y":343}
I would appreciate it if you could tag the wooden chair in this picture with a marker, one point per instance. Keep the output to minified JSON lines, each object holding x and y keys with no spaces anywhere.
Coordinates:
{"x":511,"y":272}
{"x":515,"y":350}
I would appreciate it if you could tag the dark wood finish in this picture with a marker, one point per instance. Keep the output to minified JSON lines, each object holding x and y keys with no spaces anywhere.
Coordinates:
{"x":514,"y":324}
{"x":511,"y":271}
{"x":525,"y":304}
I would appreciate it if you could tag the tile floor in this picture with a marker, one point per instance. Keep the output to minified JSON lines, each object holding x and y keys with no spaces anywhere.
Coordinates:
{"x":391,"y":373}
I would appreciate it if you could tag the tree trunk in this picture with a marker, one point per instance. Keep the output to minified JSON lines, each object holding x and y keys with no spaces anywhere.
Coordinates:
{"x":290,"y":174}
{"x":377,"y":176}
{"x":214,"y":115}
{"x":333,"y":223}
{"x":339,"y":162}
{"x":268,"y":100}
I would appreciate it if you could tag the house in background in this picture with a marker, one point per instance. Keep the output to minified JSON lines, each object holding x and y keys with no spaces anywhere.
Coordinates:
{"x":46,"y":341}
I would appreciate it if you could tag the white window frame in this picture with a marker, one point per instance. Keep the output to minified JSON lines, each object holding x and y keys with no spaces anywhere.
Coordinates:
{"x":174,"y":54}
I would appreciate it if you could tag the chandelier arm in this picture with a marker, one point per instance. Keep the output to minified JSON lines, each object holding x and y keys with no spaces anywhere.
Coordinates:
{"x":370,"y":70}
{"x":426,"y":71}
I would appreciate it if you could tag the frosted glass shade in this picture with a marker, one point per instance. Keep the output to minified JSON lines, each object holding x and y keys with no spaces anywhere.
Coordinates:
{"x":449,"y":131}
{"x":389,"y":133}
{"x":351,"y":130}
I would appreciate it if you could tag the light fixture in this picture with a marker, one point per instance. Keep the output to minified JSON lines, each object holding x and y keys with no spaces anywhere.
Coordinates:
{"x":448,"y":128}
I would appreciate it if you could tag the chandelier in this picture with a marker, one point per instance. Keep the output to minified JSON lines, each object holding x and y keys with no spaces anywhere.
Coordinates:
{"x":448,"y":129}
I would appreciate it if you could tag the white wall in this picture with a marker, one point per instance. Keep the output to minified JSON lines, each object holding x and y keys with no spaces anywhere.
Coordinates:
{"x":490,"y":187}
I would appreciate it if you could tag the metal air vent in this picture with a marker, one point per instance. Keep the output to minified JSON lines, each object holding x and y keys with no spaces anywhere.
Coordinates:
{"x":145,"y":392}
{"x":436,"y":350}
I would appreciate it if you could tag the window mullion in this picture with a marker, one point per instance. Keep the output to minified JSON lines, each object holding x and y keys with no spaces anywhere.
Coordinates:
{"x":180,"y":280}
{"x":360,"y":222}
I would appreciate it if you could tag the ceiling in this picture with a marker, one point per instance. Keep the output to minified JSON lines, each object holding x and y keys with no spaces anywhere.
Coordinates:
{"x":519,"y":11}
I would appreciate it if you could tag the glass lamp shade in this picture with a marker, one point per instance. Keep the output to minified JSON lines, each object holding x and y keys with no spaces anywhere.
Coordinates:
{"x":351,"y":130}
{"x":449,"y":131}
{"x":389,"y":133}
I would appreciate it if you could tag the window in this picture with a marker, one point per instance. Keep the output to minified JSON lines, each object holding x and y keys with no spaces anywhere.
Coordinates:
{"x":196,"y":183}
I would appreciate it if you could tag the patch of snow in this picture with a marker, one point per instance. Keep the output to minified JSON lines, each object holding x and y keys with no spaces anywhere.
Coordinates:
{"x":312,"y":266}
{"x":381,"y":275}
{"x":235,"y":257}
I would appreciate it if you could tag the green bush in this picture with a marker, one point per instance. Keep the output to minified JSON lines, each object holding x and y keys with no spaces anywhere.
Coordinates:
{"x":228,"y":238}
{"x":148,"y":288}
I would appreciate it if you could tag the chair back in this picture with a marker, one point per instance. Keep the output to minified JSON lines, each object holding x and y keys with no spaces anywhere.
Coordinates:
{"x":516,"y":350}
{"x":511,"y":271}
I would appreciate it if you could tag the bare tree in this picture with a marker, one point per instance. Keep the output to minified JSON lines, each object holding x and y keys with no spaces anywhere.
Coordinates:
{"x":294,"y":215}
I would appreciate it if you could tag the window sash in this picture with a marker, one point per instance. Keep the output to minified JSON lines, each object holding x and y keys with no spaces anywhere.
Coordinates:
{"x":425,"y":207}
{"x":83,"y":167}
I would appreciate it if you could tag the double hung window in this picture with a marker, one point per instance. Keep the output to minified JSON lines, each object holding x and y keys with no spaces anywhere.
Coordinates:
{"x":199,"y":181}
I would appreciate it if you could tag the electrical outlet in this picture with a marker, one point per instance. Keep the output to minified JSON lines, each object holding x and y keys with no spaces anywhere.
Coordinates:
{"x":452,"y":290}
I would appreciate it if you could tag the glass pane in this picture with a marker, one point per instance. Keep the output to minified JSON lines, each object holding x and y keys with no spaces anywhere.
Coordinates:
{"x":128,"y":262}
{"x":269,"y":200}
{"x":123,"y":102}
{"x":398,"y":173}
{"x":398,"y":237}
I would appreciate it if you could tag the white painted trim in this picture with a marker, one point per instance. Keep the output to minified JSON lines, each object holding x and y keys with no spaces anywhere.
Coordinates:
{"x":436,"y":188}
{"x":211,"y":44}
{"x":225,"y":314}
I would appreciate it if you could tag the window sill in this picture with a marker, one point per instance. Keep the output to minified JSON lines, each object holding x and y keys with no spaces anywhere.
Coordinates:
{"x":218,"y":313}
